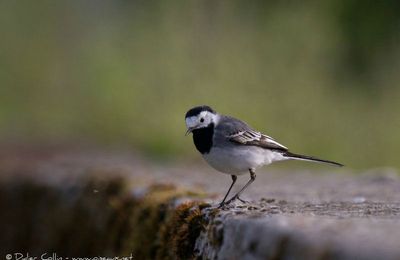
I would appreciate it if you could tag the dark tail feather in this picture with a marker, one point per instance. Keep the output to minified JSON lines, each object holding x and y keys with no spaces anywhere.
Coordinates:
{"x":309,"y":158}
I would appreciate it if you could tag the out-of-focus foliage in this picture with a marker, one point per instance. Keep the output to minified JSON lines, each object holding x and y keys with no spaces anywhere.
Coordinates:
{"x":320,"y":76}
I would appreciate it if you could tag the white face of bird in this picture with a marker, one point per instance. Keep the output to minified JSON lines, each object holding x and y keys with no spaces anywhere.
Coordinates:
{"x":201,"y":120}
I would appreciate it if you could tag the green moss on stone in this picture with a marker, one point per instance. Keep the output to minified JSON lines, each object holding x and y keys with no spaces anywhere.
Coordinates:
{"x":156,"y":221}
{"x":100,"y":216}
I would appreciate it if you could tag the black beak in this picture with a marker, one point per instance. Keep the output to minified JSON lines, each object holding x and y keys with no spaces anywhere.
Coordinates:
{"x":190,"y":129}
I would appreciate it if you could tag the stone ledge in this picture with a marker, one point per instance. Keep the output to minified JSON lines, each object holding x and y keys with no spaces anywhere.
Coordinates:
{"x":294,"y":237}
{"x":105,"y":212}
{"x":108,"y":217}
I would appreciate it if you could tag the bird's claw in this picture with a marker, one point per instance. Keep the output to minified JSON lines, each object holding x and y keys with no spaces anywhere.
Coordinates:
{"x":237,"y":198}
{"x":226,"y":203}
{"x":242,"y":200}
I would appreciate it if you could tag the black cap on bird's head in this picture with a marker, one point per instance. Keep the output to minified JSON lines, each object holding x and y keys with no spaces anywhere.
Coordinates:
{"x":199,"y":117}
{"x":197,"y":110}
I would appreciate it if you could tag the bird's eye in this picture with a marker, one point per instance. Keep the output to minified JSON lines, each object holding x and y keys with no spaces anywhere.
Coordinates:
{"x":201,"y":120}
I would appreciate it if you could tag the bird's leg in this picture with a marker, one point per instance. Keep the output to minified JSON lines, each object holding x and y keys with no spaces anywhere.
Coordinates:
{"x":234,"y":178}
{"x":242,"y":200}
{"x":236,"y":196}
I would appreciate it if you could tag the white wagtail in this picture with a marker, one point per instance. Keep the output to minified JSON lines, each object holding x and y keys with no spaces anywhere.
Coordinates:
{"x":231,"y":146}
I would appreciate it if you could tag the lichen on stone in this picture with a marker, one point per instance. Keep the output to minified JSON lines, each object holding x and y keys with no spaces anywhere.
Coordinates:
{"x":98,"y":215}
{"x":156,"y":220}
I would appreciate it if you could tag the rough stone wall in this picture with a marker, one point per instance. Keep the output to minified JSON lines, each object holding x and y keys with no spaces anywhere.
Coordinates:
{"x":108,"y":217}
{"x":102,"y":211}
{"x":99,"y":218}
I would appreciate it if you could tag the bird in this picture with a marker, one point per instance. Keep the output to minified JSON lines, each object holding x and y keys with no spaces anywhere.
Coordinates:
{"x":231,"y":146}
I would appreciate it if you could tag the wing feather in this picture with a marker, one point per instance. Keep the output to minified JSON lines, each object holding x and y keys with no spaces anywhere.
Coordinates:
{"x":251,"y":137}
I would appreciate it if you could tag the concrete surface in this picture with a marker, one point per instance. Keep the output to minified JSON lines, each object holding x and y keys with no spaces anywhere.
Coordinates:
{"x":322,"y":213}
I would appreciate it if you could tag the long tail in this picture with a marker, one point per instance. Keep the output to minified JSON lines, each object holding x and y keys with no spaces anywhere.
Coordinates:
{"x":309,"y":158}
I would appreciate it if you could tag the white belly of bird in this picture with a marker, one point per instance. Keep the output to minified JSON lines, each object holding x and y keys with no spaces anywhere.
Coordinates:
{"x":240,"y":159}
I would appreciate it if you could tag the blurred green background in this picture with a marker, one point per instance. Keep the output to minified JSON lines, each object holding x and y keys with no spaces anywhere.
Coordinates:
{"x":322,"y":77}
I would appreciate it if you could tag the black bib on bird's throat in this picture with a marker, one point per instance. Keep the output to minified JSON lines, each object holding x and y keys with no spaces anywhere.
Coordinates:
{"x":203,"y":138}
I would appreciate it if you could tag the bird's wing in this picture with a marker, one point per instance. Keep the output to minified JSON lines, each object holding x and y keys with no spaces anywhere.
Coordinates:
{"x":252,"y":137}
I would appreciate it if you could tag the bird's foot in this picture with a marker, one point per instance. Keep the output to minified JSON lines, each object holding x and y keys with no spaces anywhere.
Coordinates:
{"x":224,"y":205}
{"x":237,"y":198}
{"x":243,"y":201}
